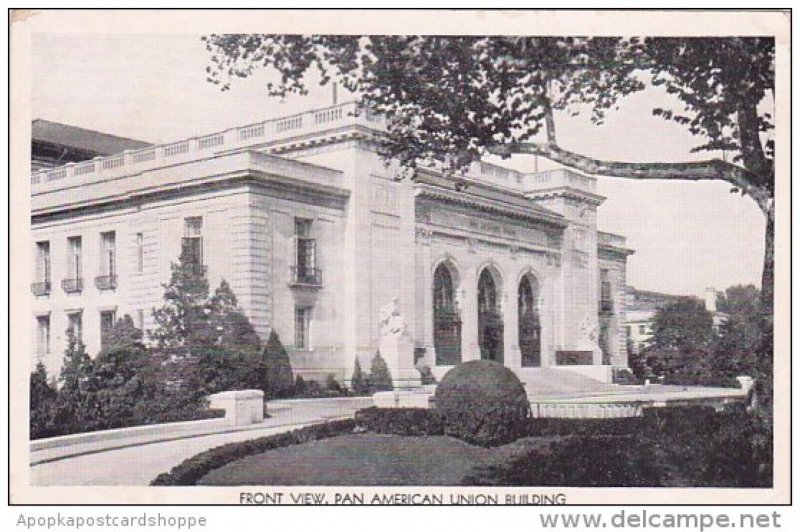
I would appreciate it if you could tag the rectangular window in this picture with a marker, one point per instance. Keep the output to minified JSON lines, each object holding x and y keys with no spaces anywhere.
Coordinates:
{"x":606,"y":301}
{"x":42,"y":335}
{"x":107,"y":318}
{"x":305,"y":252}
{"x":139,"y":252}
{"x":192,"y":249}
{"x":642,"y":329}
{"x":140,"y":319}
{"x":74,"y":257}
{"x":75,"y":320}
{"x":302,"y":328}
{"x":108,"y":253}
{"x":628,"y":331}
{"x":43,"y":262}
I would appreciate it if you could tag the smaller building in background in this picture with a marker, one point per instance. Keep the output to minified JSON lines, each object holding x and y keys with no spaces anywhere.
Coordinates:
{"x":642,"y":306}
{"x":55,"y":144}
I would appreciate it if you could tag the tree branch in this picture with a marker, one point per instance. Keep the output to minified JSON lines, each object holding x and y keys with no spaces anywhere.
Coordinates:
{"x":714,"y":169}
{"x":549,"y":121}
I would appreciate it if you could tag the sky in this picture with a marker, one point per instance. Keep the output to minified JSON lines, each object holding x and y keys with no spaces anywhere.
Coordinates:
{"x":687,"y":236}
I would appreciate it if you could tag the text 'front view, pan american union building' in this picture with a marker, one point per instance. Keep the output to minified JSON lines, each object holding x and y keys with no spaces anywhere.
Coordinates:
{"x":318,"y":239}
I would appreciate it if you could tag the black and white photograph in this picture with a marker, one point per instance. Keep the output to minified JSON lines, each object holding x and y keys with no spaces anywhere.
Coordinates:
{"x":399,"y":257}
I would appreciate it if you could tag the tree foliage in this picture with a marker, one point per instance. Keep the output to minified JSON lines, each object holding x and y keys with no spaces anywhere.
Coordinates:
{"x":380,"y":379}
{"x":275,"y":369}
{"x":205,"y":343}
{"x":358,"y":384}
{"x":687,"y":349}
{"x":42,"y":404}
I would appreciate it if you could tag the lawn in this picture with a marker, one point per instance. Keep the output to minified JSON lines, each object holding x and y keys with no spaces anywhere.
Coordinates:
{"x":370,"y":460}
{"x":673,"y":448}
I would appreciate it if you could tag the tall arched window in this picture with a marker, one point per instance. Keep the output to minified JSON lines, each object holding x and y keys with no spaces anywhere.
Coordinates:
{"x":490,"y":322}
{"x":530,"y":330}
{"x":487,"y":292}
{"x":446,"y":319}
{"x":442,"y":288}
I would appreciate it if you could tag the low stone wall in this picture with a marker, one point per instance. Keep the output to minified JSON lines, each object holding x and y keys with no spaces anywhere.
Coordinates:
{"x":242,"y":407}
{"x":145,"y":432}
{"x":419,"y":398}
{"x":586,"y":410}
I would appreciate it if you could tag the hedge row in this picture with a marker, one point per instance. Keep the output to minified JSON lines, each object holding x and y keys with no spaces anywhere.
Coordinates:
{"x":427,"y":422}
{"x":400,"y":421}
{"x":191,"y":470}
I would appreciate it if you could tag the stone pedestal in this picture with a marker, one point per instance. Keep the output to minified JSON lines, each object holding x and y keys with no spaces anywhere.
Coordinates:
{"x":398,"y":352}
{"x":242,"y":407}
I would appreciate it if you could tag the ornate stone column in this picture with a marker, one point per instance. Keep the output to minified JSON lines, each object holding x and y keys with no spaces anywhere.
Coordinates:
{"x":468,"y":298}
{"x":512,"y":357}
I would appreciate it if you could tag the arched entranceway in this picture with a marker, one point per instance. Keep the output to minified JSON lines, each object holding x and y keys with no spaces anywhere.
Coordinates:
{"x":490,"y":321}
{"x":530,"y":329}
{"x":446,"y":318}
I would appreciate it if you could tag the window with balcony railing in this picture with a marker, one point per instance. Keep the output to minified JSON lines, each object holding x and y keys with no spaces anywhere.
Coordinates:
{"x":72,"y":286}
{"x":74,"y":280}
{"x":41,"y":288}
{"x":306,"y":276}
{"x":305,"y":270}
{"x":107,"y":280}
{"x":42,"y":285}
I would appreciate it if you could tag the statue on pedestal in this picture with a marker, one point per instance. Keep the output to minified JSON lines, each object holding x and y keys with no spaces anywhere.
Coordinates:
{"x":396,"y":345}
{"x":391,"y":322}
{"x":588,"y":336}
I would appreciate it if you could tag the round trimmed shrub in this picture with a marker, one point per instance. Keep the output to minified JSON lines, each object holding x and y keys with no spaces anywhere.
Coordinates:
{"x":484,"y":403}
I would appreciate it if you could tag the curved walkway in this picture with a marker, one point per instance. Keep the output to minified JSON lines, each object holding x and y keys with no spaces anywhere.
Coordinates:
{"x":132,"y":463}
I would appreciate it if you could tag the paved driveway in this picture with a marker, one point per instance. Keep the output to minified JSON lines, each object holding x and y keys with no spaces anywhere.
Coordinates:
{"x":137,"y":464}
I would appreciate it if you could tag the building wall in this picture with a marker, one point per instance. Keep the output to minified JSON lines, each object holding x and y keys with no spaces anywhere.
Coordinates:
{"x":379,"y":244}
{"x":248,"y":239}
{"x":616,"y":319}
{"x":468,"y":242}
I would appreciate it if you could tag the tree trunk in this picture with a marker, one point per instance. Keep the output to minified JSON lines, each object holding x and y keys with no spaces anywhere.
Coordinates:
{"x":765,"y":363}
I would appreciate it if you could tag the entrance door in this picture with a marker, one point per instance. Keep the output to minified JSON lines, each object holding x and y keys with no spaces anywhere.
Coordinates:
{"x":446,"y":319}
{"x":490,"y":321}
{"x":530,"y":330}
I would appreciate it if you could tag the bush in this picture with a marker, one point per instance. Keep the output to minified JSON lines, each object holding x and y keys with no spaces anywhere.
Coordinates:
{"x":545,"y":427}
{"x":625,"y":376}
{"x":191,"y":470}
{"x":333,"y":386}
{"x":705,"y":379}
{"x":380,"y":380}
{"x":400,"y":421}
{"x":601,"y":461}
{"x":278,"y":376}
{"x":358,"y":384}
{"x":484,"y":403}
{"x":42,"y":404}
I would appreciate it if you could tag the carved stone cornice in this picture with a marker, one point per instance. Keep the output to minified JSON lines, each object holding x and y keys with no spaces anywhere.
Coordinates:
{"x":482,"y":204}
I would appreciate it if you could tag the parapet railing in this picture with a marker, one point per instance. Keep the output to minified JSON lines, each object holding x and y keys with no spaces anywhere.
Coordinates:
{"x":314,"y":121}
{"x":155,"y":156}
{"x":610,"y":239}
{"x":560,"y":178}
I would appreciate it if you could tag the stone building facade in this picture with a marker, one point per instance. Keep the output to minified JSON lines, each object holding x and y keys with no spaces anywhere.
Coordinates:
{"x":315,"y":235}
